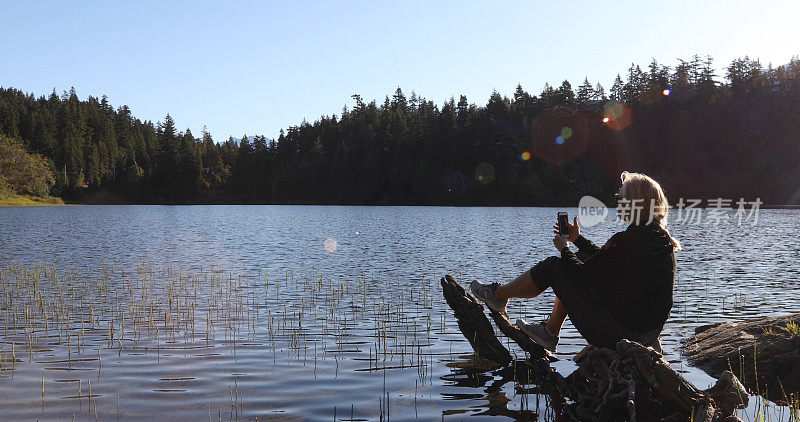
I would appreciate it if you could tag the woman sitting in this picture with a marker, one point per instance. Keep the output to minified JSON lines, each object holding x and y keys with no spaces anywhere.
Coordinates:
{"x":622,"y":290}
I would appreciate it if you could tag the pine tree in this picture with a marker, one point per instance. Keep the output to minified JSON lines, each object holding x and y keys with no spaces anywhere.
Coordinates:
{"x":634,"y":85}
{"x":744,"y":76}
{"x":706,"y":83}
{"x":399,"y":100}
{"x":585,"y":93}
{"x":413,"y":101}
{"x":599,"y":92}
{"x":462,"y":111}
{"x":566,"y":96}
{"x":548,"y":97}
{"x":617,"y":89}
{"x":681,"y":79}
{"x":497,"y":105}
{"x":694,"y":70}
{"x":657,"y":77}
{"x":165,"y":172}
{"x":523,"y":104}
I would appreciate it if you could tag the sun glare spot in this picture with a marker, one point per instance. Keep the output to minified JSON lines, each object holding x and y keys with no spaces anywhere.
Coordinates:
{"x":330,"y":245}
{"x":566,"y":132}
{"x":666,"y":92}
{"x":526,"y":156}
{"x":606,"y":119}
{"x":559,"y":140}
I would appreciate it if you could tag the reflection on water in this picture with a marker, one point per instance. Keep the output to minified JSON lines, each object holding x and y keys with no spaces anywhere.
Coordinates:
{"x":309,"y":313}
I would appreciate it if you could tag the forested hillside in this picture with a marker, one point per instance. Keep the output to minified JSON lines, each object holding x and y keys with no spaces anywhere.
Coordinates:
{"x":703,"y":135}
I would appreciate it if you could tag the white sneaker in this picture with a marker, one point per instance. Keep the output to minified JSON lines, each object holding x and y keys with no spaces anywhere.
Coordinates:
{"x":485,"y":292}
{"x":538,"y":333}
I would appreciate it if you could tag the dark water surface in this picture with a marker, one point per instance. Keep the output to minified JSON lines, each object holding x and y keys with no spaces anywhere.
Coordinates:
{"x":305,"y":312}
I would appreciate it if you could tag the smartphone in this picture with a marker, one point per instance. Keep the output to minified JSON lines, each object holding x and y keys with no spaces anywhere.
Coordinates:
{"x":563,"y":222}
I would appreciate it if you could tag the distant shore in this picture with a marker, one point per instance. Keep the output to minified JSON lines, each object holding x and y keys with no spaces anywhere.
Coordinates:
{"x":32,"y":201}
{"x":12,"y":200}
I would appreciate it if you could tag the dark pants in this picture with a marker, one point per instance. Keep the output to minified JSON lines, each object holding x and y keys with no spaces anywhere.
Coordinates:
{"x":587,"y":313}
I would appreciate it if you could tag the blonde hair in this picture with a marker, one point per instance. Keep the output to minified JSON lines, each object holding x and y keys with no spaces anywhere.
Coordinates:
{"x":648,"y":200}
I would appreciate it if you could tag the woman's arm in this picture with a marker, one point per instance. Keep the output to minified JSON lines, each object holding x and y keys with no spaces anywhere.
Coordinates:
{"x":586,"y":247}
{"x":602,"y":265}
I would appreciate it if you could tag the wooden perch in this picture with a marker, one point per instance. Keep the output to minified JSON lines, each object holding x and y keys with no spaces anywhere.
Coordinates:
{"x":629,"y":383}
{"x":635,"y":381}
{"x":473,"y":322}
{"x":514,"y":333}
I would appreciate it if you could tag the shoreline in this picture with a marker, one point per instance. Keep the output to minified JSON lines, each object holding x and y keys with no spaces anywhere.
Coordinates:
{"x":12,"y":200}
{"x":27,"y":201}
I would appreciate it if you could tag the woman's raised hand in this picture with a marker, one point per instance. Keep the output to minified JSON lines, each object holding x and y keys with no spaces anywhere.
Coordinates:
{"x":573,"y":230}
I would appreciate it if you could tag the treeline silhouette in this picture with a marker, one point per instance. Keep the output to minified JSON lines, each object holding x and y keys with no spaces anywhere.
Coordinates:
{"x":701,"y":137}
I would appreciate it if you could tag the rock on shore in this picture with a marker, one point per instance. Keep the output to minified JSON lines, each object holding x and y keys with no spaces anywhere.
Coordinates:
{"x":763,"y":352}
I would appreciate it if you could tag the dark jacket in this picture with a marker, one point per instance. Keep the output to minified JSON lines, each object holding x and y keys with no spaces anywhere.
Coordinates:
{"x":633,"y":274}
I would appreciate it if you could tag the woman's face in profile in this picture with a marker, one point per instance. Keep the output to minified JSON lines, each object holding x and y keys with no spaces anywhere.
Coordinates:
{"x":618,"y":196}
{"x":622,"y":210}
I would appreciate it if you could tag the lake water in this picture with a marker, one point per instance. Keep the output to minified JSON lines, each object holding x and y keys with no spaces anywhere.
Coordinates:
{"x":311,"y":312}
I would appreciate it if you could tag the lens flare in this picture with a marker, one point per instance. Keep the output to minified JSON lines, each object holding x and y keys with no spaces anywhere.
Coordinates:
{"x":666,"y":91}
{"x":484,"y":173}
{"x":330,"y":245}
{"x":618,"y":114}
{"x":526,"y":156}
{"x":606,"y":120}
{"x":614,"y":109}
{"x":559,"y":135}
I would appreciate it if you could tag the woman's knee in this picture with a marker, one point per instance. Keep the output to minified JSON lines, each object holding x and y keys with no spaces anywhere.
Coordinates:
{"x":554,"y":266}
{"x":552,"y":260}
{"x":543,"y":272}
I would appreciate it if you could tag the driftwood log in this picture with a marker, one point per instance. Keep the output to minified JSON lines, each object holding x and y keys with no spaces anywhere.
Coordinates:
{"x":632,"y":382}
{"x":763,"y":352}
{"x":473,"y":323}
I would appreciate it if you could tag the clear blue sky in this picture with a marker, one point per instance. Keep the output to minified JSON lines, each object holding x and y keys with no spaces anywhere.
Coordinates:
{"x":256,"y":67}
